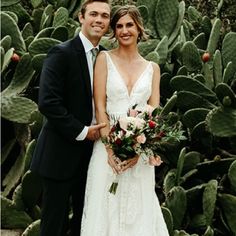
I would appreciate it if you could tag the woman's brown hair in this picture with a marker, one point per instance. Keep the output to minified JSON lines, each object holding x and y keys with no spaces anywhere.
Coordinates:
{"x":134,"y":13}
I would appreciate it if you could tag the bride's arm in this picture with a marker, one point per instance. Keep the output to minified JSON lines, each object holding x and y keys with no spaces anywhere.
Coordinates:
{"x":154,"y":99}
{"x":99,"y":90}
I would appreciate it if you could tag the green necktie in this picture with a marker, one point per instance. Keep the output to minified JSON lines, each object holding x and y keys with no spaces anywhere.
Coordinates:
{"x":94,"y":54}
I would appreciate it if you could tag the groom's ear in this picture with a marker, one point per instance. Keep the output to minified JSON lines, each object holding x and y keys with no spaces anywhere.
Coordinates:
{"x":81,"y":18}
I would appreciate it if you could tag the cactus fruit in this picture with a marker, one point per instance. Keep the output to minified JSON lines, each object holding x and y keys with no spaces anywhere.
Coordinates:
{"x":206,"y":57}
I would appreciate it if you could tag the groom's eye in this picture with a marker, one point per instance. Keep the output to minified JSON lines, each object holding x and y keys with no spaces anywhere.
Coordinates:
{"x":93,"y":13}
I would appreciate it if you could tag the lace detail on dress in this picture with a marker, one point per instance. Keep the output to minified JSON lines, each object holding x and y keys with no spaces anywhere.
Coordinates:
{"x":134,"y":210}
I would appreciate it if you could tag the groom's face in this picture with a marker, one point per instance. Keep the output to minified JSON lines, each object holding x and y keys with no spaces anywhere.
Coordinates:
{"x":95,"y":21}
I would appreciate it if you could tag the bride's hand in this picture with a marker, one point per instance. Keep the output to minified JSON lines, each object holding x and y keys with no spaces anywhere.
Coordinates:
{"x":155,"y":161}
{"x":129,"y":163}
{"x":113,"y":161}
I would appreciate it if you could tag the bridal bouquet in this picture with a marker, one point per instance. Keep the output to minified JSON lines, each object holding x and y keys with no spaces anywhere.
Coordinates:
{"x":142,"y":133}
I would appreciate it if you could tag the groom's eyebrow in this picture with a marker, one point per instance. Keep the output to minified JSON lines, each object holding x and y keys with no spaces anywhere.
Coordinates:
{"x":103,"y":14}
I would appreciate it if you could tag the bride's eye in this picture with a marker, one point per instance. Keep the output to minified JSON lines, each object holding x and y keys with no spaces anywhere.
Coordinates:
{"x":119,"y":26}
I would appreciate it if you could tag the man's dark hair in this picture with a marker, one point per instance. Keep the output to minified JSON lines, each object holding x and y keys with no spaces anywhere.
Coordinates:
{"x":86,"y":2}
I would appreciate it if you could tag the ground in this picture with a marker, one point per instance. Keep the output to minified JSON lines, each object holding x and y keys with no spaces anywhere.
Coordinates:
{"x":6,"y":232}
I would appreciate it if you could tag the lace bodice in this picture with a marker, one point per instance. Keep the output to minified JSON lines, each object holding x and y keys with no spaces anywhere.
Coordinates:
{"x":118,"y":98}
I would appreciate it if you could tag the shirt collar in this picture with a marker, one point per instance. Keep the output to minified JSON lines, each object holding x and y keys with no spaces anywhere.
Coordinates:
{"x":86,"y":43}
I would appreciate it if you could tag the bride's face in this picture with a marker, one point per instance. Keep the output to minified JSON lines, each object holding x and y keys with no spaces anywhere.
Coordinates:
{"x":126,"y":31}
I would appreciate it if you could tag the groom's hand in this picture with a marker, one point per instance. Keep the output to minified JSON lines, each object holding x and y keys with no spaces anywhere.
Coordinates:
{"x":94,"y":131}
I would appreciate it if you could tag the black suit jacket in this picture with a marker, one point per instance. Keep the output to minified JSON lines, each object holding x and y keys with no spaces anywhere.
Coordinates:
{"x":65,"y":100}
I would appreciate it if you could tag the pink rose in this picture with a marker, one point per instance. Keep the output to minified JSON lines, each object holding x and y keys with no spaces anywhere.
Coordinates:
{"x":133,"y":112}
{"x":155,"y":161}
{"x":123,"y":123}
{"x":141,"y":138}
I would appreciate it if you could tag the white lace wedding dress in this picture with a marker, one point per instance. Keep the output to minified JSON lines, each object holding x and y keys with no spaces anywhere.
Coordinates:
{"x":134,"y":210}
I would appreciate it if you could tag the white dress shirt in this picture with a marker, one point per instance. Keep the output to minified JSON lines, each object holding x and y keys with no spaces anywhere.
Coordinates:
{"x":88,"y":46}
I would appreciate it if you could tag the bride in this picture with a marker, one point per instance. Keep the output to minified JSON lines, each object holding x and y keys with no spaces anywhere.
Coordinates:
{"x":122,"y":79}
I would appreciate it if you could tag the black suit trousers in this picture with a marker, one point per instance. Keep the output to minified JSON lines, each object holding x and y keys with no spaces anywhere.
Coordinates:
{"x":59,"y":197}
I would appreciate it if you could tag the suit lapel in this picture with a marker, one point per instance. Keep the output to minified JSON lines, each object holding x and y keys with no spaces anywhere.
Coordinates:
{"x":84,"y":64}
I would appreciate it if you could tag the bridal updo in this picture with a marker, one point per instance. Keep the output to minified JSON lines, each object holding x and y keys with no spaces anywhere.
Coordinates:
{"x":134,"y":13}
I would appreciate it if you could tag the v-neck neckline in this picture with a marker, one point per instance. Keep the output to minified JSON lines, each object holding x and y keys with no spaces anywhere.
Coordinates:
{"x":129,"y":93}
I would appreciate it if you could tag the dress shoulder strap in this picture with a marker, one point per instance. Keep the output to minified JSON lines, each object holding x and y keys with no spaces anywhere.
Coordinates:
{"x":108,"y":58}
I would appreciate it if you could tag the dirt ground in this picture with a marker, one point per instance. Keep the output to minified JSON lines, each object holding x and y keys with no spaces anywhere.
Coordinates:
{"x":5,"y":232}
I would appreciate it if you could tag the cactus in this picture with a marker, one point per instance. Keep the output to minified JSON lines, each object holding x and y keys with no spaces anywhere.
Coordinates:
{"x":168,"y":219}
{"x":9,"y":27}
{"x":176,"y":201}
{"x":179,"y":22}
{"x":42,"y":45}
{"x":147,"y":46}
{"x":33,"y":229}
{"x":162,"y":50}
{"x":7,"y":59}
{"x":228,"y":203}
{"x":193,"y":116}
{"x":191,"y":57}
{"x":180,"y":165}
{"x":37,"y":61}
{"x":217,"y":68}
{"x":214,"y":37}
{"x":166,"y":16}
{"x":17,"y":109}
{"x":61,"y":17}
{"x":169,"y":181}
{"x":232,"y":176}
{"x":27,"y":31}
{"x":36,"y":3}
{"x":6,"y":3}
{"x":209,"y":231}
{"x":31,"y":189}
{"x":169,"y":105}
{"x":200,"y":41}
{"x":183,"y":83}
{"x":221,"y":122}
{"x":22,"y":76}
{"x":222,"y":91}
{"x":6,"y":42}
{"x":228,"y":74}
{"x":229,"y":50}
{"x":11,"y":217}
{"x":187,"y":100}
{"x":47,"y":16}
{"x":209,"y":200}
{"x":60,"y":33}
{"x":191,"y":160}
{"x":206,"y":26}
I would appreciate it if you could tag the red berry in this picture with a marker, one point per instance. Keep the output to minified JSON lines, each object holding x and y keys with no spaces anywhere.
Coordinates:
{"x":205,"y":56}
{"x":15,"y":57}
{"x":152,"y":124}
{"x":118,"y":141}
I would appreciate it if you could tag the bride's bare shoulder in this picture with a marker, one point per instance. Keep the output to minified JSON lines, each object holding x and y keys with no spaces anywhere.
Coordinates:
{"x":155,"y":66}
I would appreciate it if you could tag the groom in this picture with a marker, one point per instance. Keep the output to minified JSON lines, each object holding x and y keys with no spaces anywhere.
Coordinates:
{"x":65,"y":143}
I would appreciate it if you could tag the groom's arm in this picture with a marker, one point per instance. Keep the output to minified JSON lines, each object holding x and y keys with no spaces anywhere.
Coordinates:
{"x":51,"y":94}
